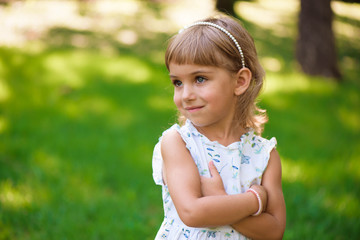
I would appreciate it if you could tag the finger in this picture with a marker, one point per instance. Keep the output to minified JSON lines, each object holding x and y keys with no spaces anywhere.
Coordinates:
{"x":203,"y":179}
{"x":213,"y":170}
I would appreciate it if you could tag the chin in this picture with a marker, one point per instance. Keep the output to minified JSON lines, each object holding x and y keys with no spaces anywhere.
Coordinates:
{"x":199,"y":123}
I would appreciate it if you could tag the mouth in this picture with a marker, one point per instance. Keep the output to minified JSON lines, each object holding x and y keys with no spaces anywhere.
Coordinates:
{"x":193,"y":109}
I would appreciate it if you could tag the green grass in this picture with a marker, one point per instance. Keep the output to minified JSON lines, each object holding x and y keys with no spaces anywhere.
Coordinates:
{"x":78,"y":129}
{"x":78,"y":126}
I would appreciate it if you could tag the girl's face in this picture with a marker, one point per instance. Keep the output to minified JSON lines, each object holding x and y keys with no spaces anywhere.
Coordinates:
{"x":204,"y":94}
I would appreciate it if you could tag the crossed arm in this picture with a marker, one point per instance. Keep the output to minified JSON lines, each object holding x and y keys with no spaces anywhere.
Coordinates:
{"x":183,"y":180}
{"x":197,"y":210}
{"x":271,"y":223}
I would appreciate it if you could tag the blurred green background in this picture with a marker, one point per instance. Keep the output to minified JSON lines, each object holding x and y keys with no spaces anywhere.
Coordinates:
{"x":84,"y":96}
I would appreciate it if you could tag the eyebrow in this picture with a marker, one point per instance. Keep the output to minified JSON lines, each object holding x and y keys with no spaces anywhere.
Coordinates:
{"x":193,"y":73}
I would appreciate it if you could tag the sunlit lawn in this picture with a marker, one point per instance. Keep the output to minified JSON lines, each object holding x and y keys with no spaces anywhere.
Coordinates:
{"x":80,"y":112}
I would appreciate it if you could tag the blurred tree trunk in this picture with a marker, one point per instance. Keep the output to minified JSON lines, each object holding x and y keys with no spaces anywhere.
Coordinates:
{"x":5,"y":2}
{"x":226,"y":6}
{"x":315,"y":50}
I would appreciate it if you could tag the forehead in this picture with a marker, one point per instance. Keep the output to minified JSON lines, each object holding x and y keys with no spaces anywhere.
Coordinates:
{"x":184,"y":71}
{"x":176,"y":69}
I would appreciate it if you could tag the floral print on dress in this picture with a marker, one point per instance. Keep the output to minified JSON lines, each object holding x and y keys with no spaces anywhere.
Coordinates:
{"x":240,"y":165}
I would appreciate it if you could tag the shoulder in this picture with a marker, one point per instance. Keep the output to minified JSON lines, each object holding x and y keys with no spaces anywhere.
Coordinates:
{"x":256,"y":139}
{"x":172,"y":143}
{"x":258,"y":144}
{"x":176,"y":156}
{"x":253,"y":141}
{"x":169,"y":149}
{"x":170,"y":138}
{"x":178,"y":135}
{"x":257,"y":151}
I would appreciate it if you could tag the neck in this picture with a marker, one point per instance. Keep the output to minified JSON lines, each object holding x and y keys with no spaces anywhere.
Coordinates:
{"x":225,"y":134}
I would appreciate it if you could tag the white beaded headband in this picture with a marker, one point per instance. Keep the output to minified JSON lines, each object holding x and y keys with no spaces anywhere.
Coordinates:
{"x":223,"y":30}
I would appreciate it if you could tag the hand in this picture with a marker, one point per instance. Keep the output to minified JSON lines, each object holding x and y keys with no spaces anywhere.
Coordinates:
{"x":263,"y":195}
{"x":213,"y":185}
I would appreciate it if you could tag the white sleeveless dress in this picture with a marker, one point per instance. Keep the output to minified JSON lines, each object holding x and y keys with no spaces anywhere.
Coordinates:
{"x":241,"y":164}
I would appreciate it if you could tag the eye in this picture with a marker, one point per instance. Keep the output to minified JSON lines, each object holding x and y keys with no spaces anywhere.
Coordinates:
{"x":177,"y":83}
{"x":200,"y":79}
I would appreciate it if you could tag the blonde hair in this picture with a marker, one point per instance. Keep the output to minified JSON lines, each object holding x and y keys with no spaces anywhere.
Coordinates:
{"x":206,"y":45}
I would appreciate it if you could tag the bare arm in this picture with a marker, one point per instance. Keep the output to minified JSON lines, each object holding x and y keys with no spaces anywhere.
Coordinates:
{"x":271,"y":223}
{"x":183,"y":181}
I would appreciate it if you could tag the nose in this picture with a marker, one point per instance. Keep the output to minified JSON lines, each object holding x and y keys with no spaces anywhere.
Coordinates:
{"x":188,"y":93}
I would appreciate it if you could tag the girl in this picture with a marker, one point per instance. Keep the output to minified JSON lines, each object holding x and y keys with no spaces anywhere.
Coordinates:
{"x":211,"y":167}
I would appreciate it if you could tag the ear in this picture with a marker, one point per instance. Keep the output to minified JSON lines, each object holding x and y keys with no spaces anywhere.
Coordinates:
{"x":243,"y":78}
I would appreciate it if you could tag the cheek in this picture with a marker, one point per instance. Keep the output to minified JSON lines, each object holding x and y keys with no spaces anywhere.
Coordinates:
{"x":177,"y":99}
{"x":210,"y":95}
{"x":219,"y":99}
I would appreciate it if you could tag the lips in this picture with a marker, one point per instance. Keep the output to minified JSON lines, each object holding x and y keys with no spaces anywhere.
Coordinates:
{"x":193,"y":108}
